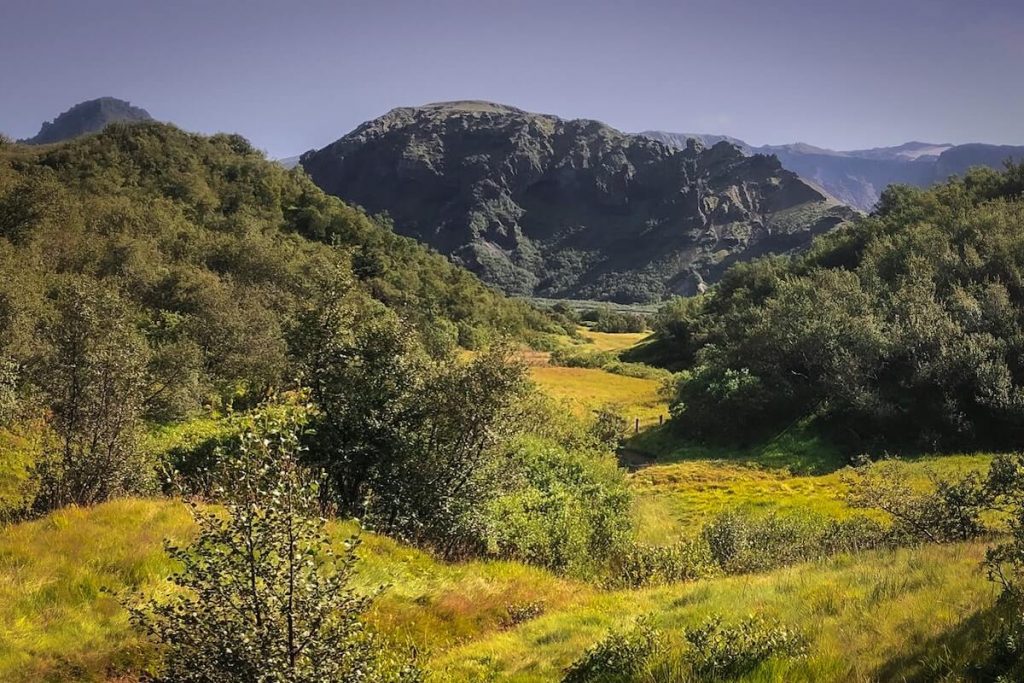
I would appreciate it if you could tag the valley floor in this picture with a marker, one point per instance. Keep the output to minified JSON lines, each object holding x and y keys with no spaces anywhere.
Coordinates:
{"x":910,"y":614}
{"x":876,"y":616}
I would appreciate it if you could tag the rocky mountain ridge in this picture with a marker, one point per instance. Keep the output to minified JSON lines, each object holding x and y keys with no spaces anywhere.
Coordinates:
{"x":544,"y":206}
{"x":857,"y":177}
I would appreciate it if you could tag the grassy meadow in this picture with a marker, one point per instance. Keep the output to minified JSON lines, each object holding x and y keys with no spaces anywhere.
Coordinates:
{"x":873,"y":616}
{"x":866,"y":616}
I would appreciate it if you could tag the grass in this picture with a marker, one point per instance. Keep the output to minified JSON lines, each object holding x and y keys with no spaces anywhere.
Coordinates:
{"x":61,"y":578}
{"x":612,"y":341}
{"x":588,"y":389}
{"x":862,"y":617}
{"x":686,"y":485}
{"x":61,"y":619}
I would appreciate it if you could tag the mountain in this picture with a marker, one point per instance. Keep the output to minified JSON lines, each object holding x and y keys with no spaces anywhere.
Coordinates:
{"x":857,"y":177}
{"x":91,"y":116}
{"x":288,"y":162}
{"x":539,"y":205}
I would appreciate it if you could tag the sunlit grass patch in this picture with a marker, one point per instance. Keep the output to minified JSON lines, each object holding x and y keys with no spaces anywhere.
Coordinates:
{"x":677,"y":498}
{"x":588,"y":389}
{"x":859,"y":614}
{"x":612,"y":341}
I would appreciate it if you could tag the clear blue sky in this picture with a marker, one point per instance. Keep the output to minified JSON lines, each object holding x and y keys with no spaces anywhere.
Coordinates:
{"x":292,"y":75}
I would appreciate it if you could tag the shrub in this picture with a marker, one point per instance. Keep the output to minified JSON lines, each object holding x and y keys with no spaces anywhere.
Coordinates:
{"x":645,"y":565}
{"x":950,"y":510}
{"x":568,"y":510}
{"x":261,"y":594}
{"x":8,"y":389}
{"x":520,"y":612}
{"x":570,"y":357}
{"x":609,"y":426}
{"x":94,"y":378}
{"x":724,"y":652}
{"x":619,"y":657}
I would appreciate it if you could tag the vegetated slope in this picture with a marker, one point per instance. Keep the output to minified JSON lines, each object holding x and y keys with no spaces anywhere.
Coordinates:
{"x":557,"y":208}
{"x":858,"y":177}
{"x":212,"y":249}
{"x":904,"y":329}
{"x":877,"y":616}
{"x":86,"y":117}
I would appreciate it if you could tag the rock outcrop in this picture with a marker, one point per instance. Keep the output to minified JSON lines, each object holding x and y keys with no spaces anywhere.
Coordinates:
{"x":539,"y":205}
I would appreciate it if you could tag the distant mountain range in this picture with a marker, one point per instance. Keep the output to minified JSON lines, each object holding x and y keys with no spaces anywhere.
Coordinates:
{"x":543,"y":206}
{"x":857,"y":177}
{"x":91,"y":116}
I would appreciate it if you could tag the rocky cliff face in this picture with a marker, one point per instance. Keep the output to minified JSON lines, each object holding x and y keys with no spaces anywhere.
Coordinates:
{"x":570,"y":208}
{"x":857,"y":177}
{"x":91,"y":116}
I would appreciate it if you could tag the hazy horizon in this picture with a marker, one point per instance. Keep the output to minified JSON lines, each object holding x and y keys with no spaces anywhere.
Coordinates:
{"x":292,"y":78}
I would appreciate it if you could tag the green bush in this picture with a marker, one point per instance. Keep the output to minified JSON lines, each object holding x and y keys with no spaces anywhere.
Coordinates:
{"x":901,"y":330}
{"x":644,"y":565}
{"x":742,"y":542}
{"x":564,"y":509}
{"x":718,"y":652}
{"x":738,"y":542}
{"x":619,"y":657}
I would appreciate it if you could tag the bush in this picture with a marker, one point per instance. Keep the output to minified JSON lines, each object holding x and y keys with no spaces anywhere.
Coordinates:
{"x":720,"y":652}
{"x":902,"y":329}
{"x":619,"y":657}
{"x":94,"y":374}
{"x":261,"y":594}
{"x":8,"y":389}
{"x":738,"y":542}
{"x":570,"y":357}
{"x":950,"y":510}
{"x":645,"y":565}
{"x":605,"y":360}
{"x":568,"y":510}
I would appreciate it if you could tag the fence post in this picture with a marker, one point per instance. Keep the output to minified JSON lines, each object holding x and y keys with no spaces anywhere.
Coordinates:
{"x":661,"y":420}
{"x":636,"y":427}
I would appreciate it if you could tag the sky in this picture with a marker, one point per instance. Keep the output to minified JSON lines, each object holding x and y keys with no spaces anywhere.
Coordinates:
{"x":295,"y":75}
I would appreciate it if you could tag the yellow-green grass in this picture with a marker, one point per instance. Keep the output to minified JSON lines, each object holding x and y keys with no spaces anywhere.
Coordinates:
{"x":61,"y":578}
{"x":612,"y":341}
{"x":877,"y":616}
{"x":588,"y":389}
{"x":19,"y":447}
{"x":60,"y":618}
{"x":677,"y":498}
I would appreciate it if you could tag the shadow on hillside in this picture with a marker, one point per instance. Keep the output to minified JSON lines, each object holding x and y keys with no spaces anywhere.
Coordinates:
{"x":800,"y":448}
{"x":965,"y":652}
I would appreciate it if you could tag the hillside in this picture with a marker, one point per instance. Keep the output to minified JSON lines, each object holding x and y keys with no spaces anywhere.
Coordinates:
{"x":210,"y":251}
{"x":901,"y":331}
{"x":858,"y":177}
{"x":543,"y":206}
{"x":86,"y":117}
{"x":879,"y":615}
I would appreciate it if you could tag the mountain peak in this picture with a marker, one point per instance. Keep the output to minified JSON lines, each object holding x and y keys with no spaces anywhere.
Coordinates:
{"x":570,"y":208}
{"x":472,"y":106}
{"x":87,"y":117}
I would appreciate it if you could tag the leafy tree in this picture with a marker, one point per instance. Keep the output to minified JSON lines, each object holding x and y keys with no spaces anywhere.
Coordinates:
{"x":93,"y":375}
{"x":261,"y":594}
{"x":409,"y":442}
